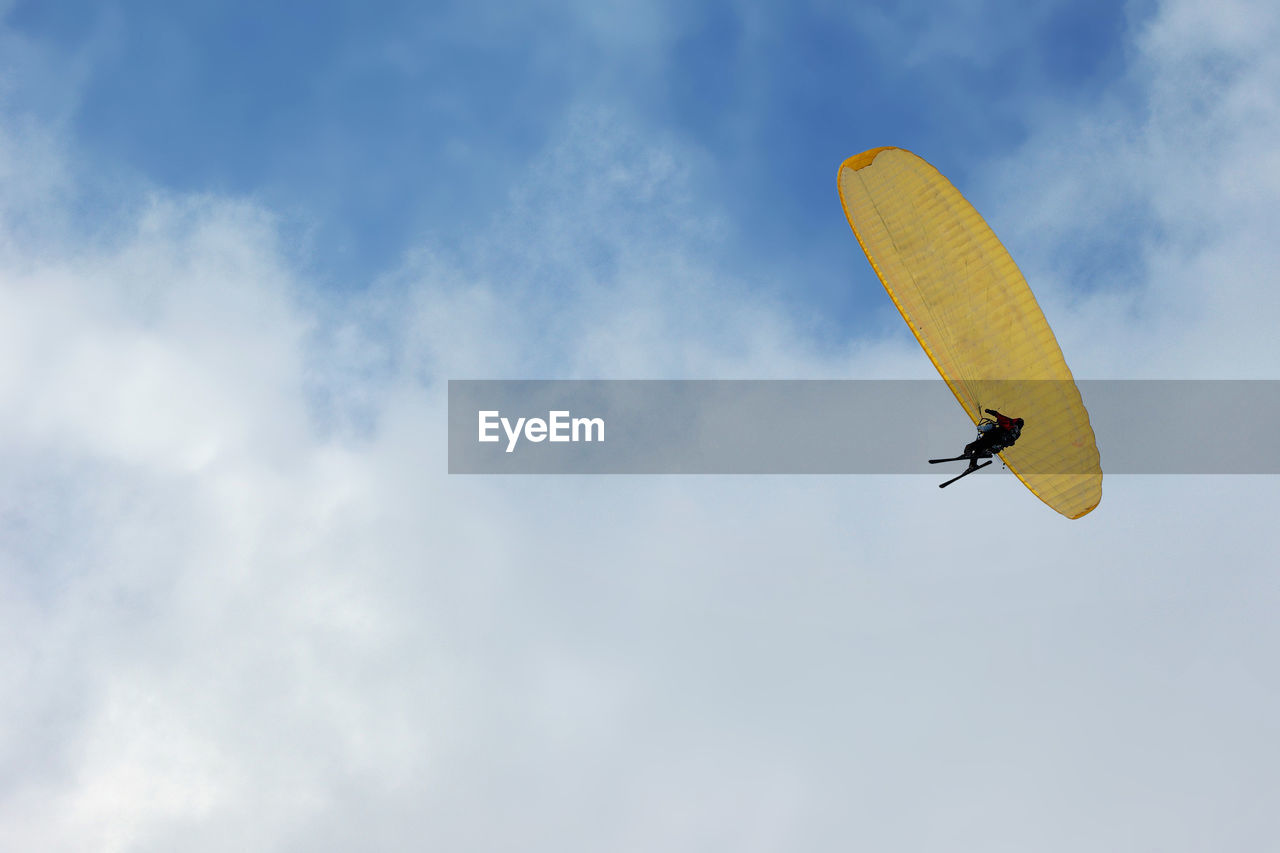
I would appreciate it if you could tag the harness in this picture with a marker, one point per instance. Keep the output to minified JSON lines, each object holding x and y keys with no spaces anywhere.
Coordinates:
{"x":1007,"y":437}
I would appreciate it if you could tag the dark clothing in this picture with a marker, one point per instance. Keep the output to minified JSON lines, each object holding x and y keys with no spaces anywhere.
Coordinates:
{"x":994,"y":436}
{"x":983,"y":447}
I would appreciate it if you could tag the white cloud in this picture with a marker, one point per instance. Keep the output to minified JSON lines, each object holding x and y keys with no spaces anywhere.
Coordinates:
{"x":229,"y":621}
{"x":1156,"y":201}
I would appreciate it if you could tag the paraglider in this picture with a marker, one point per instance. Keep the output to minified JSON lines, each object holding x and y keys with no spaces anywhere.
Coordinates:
{"x":977,"y":320}
{"x":993,"y":437}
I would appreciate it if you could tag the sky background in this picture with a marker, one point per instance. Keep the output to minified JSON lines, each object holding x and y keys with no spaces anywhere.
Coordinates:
{"x":244,"y":246}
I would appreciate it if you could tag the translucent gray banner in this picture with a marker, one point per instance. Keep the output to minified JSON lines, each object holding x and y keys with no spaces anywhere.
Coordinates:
{"x":835,"y":426}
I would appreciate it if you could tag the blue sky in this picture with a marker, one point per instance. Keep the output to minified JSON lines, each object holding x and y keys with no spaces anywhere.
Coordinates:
{"x":374,"y":132}
{"x":243,"y":607}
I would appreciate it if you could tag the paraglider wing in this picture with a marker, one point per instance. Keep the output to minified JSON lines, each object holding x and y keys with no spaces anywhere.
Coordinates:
{"x":971,"y":310}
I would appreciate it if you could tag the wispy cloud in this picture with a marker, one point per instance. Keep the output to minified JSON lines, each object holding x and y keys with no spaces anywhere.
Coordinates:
{"x":1153,"y":204}
{"x":243,"y":607}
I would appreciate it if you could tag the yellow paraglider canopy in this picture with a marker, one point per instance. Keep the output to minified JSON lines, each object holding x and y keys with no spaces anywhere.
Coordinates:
{"x":971,"y":309}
